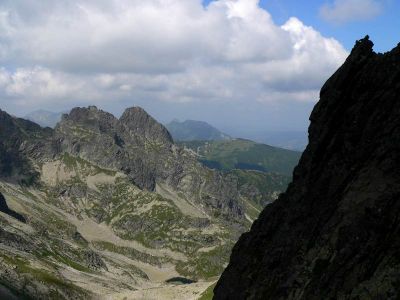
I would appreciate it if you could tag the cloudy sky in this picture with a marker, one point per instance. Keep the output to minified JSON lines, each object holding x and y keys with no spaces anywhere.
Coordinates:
{"x":242,"y":65}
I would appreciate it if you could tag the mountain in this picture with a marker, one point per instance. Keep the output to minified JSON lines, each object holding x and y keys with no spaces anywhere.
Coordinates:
{"x":262,"y":171}
{"x":190,"y":130}
{"x":259,"y":189}
{"x":335,"y":233}
{"x":245,"y":155}
{"x":110,"y":206}
{"x":44,"y":118}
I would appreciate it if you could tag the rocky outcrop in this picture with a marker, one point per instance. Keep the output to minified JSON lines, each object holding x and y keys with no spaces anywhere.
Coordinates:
{"x":5,"y":209}
{"x":335,"y":233}
{"x":140,"y":123}
{"x":94,"y":261}
{"x":18,"y":139}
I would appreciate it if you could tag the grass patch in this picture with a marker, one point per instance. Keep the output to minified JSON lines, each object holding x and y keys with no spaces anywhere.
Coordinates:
{"x":208,"y":294}
{"x":23,"y":267}
{"x":205,"y":265}
{"x":131,"y":253}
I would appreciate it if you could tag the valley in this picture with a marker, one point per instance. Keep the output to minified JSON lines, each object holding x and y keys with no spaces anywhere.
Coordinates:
{"x":113,"y":208}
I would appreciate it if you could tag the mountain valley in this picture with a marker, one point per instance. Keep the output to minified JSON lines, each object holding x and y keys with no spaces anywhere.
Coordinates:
{"x":107,"y":206}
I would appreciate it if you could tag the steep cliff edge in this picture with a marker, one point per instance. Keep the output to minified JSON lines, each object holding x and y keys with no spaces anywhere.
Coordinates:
{"x":335,"y":233}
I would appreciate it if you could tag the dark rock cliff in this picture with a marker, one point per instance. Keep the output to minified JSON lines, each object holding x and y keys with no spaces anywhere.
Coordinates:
{"x":19,"y":139}
{"x":335,"y":233}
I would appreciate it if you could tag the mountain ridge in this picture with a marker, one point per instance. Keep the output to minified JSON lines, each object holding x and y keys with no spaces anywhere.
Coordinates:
{"x":344,"y":244}
{"x":191,"y":130}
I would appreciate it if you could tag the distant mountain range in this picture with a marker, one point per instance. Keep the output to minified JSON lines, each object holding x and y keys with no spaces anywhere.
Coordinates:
{"x":191,"y":130}
{"x":288,"y":139}
{"x":44,"y":118}
{"x":293,"y":140}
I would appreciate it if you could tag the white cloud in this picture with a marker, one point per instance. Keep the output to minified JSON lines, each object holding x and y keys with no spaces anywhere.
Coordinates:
{"x":343,"y":11}
{"x":168,"y":50}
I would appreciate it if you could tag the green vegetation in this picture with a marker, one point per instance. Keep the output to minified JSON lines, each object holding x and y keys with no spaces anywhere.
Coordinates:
{"x":262,"y":171}
{"x":161,"y":225}
{"x":60,"y":252}
{"x":82,"y":166}
{"x":23,"y":267}
{"x":208,"y":294}
{"x":268,"y":186}
{"x":206,"y":265}
{"x":245,"y":155}
{"x":69,"y":262}
{"x":131,"y":253}
{"x":265,"y":182}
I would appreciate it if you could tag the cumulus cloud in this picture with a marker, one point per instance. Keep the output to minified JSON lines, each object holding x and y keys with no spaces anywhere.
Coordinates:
{"x":87,"y":51}
{"x":343,"y":11}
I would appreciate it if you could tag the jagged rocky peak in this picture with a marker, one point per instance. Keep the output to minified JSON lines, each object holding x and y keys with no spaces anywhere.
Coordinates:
{"x":135,"y":122}
{"x":92,"y":117}
{"x":335,"y":233}
{"x":363,"y":47}
{"x":140,"y":123}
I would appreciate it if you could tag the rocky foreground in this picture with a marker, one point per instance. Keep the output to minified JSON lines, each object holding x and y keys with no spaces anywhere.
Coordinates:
{"x":335,"y":233}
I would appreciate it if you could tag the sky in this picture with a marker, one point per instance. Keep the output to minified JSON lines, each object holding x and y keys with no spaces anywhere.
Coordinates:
{"x":241,"y":65}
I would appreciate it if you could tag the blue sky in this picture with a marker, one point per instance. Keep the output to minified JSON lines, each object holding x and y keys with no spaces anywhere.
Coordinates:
{"x":384,"y":29}
{"x":244,"y":66}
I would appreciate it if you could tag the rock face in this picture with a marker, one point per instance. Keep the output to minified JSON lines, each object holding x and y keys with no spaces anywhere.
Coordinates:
{"x":335,"y":233}
{"x":140,"y":123}
{"x":18,"y":139}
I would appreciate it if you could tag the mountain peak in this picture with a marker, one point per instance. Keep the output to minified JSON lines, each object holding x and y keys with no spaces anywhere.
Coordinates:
{"x":364,"y":46}
{"x":90,"y":117}
{"x":191,"y":130}
{"x":139,"y":122}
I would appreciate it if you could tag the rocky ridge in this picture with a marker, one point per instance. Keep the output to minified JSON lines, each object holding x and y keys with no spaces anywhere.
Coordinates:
{"x":140,"y":147}
{"x":335,"y":233}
